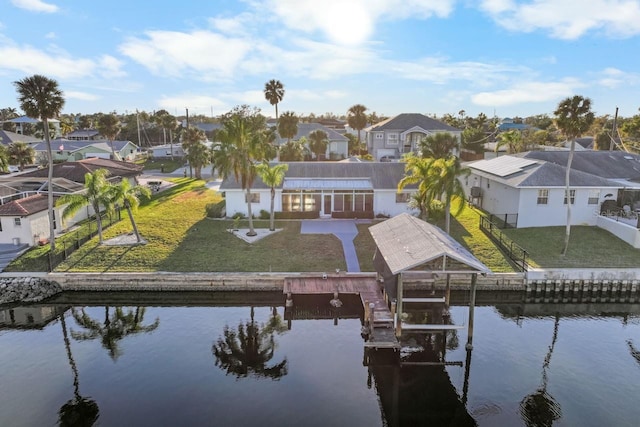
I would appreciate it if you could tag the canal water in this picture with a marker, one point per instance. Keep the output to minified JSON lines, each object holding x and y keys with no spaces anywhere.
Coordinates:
{"x":231,"y":363}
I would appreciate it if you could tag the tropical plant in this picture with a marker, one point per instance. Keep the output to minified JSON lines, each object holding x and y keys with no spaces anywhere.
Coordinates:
{"x":513,"y":140}
{"x":197,"y":153}
{"x":292,"y":151}
{"x":247,"y":350}
{"x":40,"y":97}
{"x":272,"y":176}
{"x":130,"y":197}
{"x":418,"y":171}
{"x":446,"y":185}
{"x":4,"y":158}
{"x":109,"y":127}
{"x":7,"y":114}
{"x":288,"y":125}
{"x":357,"y":119}
{"x":439,"y":145}
{"x":21,"y":154}
{"x":573,"y":117}
{"x":274,"y":92}
{"x":318,"y":142}
{"x":97,"y":193}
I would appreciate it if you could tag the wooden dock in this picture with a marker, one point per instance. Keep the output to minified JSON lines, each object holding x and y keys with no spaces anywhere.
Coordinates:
{"x":370,"y":292}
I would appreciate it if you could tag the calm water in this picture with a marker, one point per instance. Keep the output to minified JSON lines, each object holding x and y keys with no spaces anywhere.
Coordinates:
{"x":215,"y":366}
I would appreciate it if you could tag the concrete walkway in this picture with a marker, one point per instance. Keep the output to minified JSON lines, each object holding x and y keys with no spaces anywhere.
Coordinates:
{"x":343,"y":229}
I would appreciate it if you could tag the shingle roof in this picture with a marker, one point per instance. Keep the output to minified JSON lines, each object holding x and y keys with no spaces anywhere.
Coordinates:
{"x":71,"y":145}
{"x":75,"y":171}
{"x":405,"y":121}
{"x":406,"y":242}
{"x":7,"y":138}
{"x":381,"y":175}
{"x":605,"y":164}
{"x":84,"y":133}
{"x":304,"y":129}
{"x":23,"y":207}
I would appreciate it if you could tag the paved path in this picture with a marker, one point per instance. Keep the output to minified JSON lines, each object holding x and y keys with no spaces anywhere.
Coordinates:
{"x":343,"y":229}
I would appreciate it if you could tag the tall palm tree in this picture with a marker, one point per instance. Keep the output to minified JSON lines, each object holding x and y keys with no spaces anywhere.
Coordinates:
{"x":97,"y":193}
{"x":21,"y":154}
{"x":40,"y":97}
{"x":197,"y":153}
{"x":109,"y":127}
{"x":318,"y":142}
{"x":446,"y":173}
{"x":418,"y":171}
{"x":357,"y":119}
{"x":439,"y":145}
{"x":4,"y":158}
{"x":169,"y":123}
{"x":240,"y":149}
{"x":513,"y":140}
{"x":573,"y":118}
{"x":288,"y":125}
{"x":130,"y":195}
{"x":272,"y":176}
{"x":292,"y":151}
{"x":274,"y":92}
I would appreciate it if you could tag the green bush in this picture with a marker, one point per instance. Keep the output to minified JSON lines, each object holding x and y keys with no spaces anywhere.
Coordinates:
{"x":264,"y":214}
{"x":216,"y":210}
{"x":238,"y":215}
{"x":436,"y":210}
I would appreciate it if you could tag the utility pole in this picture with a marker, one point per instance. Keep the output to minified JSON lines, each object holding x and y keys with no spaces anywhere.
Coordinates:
{"x":614,"y":131}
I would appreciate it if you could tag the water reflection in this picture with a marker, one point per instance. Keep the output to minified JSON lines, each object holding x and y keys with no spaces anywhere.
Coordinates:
{"x":78,"y":411}
{"x":635,"y":353}
{"x":115,"y":327}
{"x":246,"y":350}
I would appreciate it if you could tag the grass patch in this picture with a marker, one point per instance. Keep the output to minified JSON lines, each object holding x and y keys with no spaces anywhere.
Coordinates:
{"x":590,"y":247}
{"x":167,"y":164}
{"x":365,"y":246}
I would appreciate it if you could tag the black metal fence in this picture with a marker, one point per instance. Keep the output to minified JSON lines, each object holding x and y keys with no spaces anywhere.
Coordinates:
{"x":504,"y":220}
{"x":72,"y":241}
{"x":516,"y":254}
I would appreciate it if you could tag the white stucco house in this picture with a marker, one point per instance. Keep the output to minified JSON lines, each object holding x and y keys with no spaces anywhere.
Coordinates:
{"x":327,"y":189}
{"x":399,"y":135}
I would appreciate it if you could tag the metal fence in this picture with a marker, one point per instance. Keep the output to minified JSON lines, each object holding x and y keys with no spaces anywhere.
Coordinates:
{"x":516,"y":254}
{"x":504,"y":220}
{"x":72,"y":241}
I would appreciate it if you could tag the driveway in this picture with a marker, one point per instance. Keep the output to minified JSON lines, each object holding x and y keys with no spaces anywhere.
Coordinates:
{"x":343,"y":229}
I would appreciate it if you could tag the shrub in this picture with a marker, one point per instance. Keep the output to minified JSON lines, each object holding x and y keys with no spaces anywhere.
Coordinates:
{"x":238,"y":215}
{"x":264,"y":214}
{"x":351,"y":215}
{"x":216,"y":210}
{"x":436,"y":210}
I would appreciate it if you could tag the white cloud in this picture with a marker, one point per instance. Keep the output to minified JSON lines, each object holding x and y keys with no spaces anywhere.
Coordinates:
{"x":197,"y":104}
{"x":353,"y":22}
{"x":50,"y":35}
{"x":111,"y":67}
{"x":205,"y":54}
{"x":565,"y":19}
{"x":239,"y":24}
{"x":35,"y":6}
{"x":82,"y":96}
{"x":526,"y":93}
{"x":613,"y":78}
{"x":313,"y":95}
{"x":28,"y":60}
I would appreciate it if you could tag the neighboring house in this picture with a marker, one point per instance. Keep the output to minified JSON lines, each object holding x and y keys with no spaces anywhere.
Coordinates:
{"x":22,"y":120}
{"x":338,"y":147}
{"x":7,"y":138}
{"x":25,"y":220}
{"x":330,"y":189}
{"x":508,"y":124}
{"x":84,"y":135}
{"x":164,"y":151}
{"x":399,"y":135}
{"x":66,"y":150}
{"x":75,"y":171}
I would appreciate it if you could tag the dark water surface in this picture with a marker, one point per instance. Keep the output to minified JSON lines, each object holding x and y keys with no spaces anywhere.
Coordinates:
{"x":215,"y":366}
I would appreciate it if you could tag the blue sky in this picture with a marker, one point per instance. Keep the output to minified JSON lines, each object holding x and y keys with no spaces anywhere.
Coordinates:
{"x":502,"y":57}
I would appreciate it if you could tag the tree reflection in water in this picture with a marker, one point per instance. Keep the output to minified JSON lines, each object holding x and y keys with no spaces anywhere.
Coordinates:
{"x":540,"y":409}
{"x":79,"y":411}
{"x":635,"y":353}
{"x":116,"y":326}
{"x":245,"y":351}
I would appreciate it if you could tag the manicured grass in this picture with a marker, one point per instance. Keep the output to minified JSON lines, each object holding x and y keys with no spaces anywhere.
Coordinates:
{"x":590,"y":247}
{"x":167,"y":165}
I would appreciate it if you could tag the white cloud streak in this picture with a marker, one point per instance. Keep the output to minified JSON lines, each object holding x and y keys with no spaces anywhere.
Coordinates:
{"x":35,"y":6}
{"x":526,"y":93}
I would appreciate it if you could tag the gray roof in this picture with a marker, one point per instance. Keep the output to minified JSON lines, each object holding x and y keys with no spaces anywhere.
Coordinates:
{"x":7,"y":138}
{"x":83,"y":133}
{"x":406,"y":242}
{"x":381,"y":175}
{"x":71,"y":145}
{"x":405,"y":121}
{"x":304,"y":129}
{"x":605,"y":164}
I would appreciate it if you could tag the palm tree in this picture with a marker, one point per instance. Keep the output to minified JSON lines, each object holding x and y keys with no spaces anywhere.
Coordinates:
{"x":439,"y":145}
{"x":198,"y":154}
{"x":40,"y":97}
{"x":288,"y":125}
{"x":247,"y":350}
{"x":66,"y":127}
{"x":169,"y":123}
{"x":241,"y":147}
{"x":130,"y":197}
{"x":79,"y":411}
{"x":109,"y":127}
{"x":21,"y":154}
{"x":4,"y":158}
{"x":274,"y":92}
{"x":573,"y":118}
{"x":418,"y":171}
{"x":8,"y":114}
{"x":513,"y":140}
{"x":272,"y":176}
{"x":318,"y":142}
{"x":292,"y":151}
{"x":446,"y":173}
{"x":357,"y":119}
{"x":97,"y":193}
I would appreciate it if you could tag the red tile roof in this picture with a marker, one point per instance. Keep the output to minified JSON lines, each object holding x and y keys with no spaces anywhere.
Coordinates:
{"x":75,"y":171}
{"x":24,"y":207}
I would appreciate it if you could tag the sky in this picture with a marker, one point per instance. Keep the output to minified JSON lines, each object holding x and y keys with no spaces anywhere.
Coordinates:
{"x":503,"y":58}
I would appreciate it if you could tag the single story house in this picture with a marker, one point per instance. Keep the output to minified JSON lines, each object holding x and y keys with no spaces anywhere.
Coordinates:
{"x":399,"y":135}
{"x":75,"y":171}
{"x":338,"y":147}
{"x":166,"y":151}
{"x":84,"y":135}
{"x":329,"y":189}
{"x":7,"y":137}
{"x":66,"y":150}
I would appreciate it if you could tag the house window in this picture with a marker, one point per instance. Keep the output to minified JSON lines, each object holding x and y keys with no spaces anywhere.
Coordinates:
{"x":392,"y":139}
{"x":402,"y":197}
{"x":594,"y":197}
{"x":543,"y":197}
{"x":572,"y":194}
{"x":17,"y":222}
{"x":255,"y":197}
{"x":379,"y":135}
